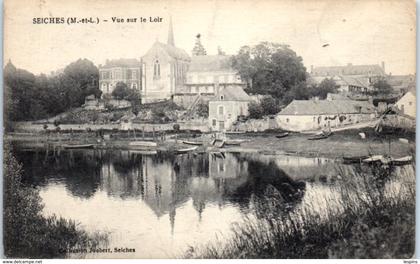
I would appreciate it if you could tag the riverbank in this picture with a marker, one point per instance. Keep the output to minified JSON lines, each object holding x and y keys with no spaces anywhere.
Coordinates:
{"x":372,"y":218}
{"x":344,"y":143}
{"x":29,"y":234}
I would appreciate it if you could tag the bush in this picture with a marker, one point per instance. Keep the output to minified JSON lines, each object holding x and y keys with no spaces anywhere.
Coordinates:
{"x":367,"y":221}
{"x":269,"y":106}
{"x":255,"y":110}
{"x":176,"y":127}
{"x":203,"y":110}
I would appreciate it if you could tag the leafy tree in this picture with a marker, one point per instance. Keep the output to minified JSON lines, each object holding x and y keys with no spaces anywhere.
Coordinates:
{"x":255,"y":110}
{"x":30,"y":97}
{"x":80,"y":79}
{"x":121,"y":91}
{"x":269,"y":106}
{"x":203,"y":110}
{"x":324,"y":88}
{"x":269,"y":68}
{"x":198,"y":49}
{"x":382,"y":86}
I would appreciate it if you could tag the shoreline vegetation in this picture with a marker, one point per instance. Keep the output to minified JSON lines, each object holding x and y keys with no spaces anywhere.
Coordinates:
{"x":29,"y":234}
{"x":372,"y":218}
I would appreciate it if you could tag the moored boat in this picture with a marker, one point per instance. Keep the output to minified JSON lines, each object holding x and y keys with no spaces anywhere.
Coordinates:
{"x":377,"y":159}
{"x":142,"y":144}
{"x":233,"y":142}
{"x":354,"y":159}
{"x":402,"y":161}
{"x":78,"y":146}
{"x":322,"y":135}
{"x":282,"y":135}
{"x":185,"y":150}
{"x":196,"y":143}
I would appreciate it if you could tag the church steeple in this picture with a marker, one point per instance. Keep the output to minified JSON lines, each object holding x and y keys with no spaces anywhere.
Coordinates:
{"x":171,"y":40}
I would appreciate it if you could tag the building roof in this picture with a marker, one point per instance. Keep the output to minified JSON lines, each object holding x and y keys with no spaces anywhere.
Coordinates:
{"x":232,"y":94}
{"x":121,"y":63}
{"x":320,"y":107}
{"x":173,"y":51}
{"x":354,"y":81}
{"x":208,"y":63}
{"x":349,"y":69}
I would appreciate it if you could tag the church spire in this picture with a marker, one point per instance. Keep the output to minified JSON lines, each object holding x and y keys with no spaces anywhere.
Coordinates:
{"x":171,"y":40}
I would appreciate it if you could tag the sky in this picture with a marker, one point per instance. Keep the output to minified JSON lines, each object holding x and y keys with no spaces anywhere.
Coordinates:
{"x":357,"y":32}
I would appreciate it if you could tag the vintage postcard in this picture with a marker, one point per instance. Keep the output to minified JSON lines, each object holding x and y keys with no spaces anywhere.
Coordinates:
{"x":209,"y":129}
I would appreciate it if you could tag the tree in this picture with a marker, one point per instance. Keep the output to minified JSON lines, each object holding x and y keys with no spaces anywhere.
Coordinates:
{"x":324,"y":88}
{"x":269,"y":68}
{"x":198,"y":49}
{"x":121,"y":91}
{"x":80,"y":79}
{"x":381,"y":86}
{"x":269,"y":106}
{"x":255,"y":110}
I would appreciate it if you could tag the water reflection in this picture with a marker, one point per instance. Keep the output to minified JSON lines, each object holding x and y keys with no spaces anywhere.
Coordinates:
{"x":169,"y":186}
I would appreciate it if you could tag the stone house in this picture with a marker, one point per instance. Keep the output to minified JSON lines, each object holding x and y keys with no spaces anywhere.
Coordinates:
{"x":407,"y":104}
{"x":121,"y":70}
{"x":226,"y":107}
{"x":304,"y":115}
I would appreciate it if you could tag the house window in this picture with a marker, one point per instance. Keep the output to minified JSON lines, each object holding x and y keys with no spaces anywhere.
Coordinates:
{"x":134,"y":86}
{"x":213,"y":122}
{"x":229,"y":116}
{"x":221,"y":125}
{"x":222,"y":97}
{"x":410,"y":103}
{"x":156,"y":70}
{"x":221,"y":167}
{"x":220,"y":110}
{"x":287,"y":120}
{"x":134,"y":74}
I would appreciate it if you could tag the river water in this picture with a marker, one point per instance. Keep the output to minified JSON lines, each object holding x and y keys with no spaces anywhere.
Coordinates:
{"x":161,"y":205}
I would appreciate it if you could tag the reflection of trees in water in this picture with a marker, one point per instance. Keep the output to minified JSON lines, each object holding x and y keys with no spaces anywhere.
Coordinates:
{"x":267,"y":187}
{"x":80,"y":171}
{"x":163,"y":181}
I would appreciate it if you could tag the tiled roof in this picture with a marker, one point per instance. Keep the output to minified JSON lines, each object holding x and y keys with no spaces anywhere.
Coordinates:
{"x":348,"y":70}
{"x":121,"y":63}
{"x":207,"y":63}
{"x":355,"y":81}
{"x":232,"y":94}
{"x":174,"y":52}
{"x":319,"y":107}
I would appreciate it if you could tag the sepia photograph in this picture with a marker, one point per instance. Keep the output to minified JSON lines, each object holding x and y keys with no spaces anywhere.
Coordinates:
{"x":234,"y":129}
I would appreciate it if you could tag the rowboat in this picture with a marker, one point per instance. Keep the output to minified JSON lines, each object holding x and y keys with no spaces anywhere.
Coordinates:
{"x":282,"y":135}
{"x":196,"y":143}
{"x":185,"y":150}
{"x":377,"y":159}
{"x":79,"y":146}
{"x":402,"y":161}
{"x":142,"y":144}
{"x":322,"y":135}
{"x":144,"y":152}
{"x":354,"y":159}
{"x":233,"y":142}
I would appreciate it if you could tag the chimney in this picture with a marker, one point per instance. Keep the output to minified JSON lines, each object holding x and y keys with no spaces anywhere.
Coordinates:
{"x":383,"y":66}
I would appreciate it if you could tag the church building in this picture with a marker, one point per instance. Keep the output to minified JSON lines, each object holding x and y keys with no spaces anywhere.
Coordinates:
{"x":164,"y":69}
{"x":167,"y":72}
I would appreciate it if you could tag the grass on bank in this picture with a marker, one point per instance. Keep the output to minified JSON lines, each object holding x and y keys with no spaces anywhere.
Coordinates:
{"x":27,"y":233}
{"x":373,"y":218}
